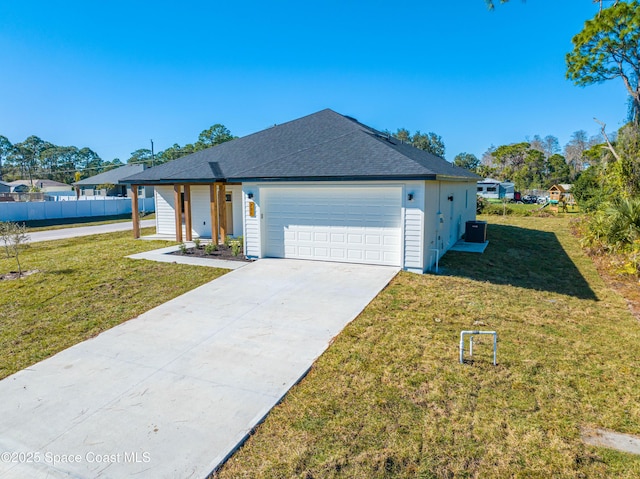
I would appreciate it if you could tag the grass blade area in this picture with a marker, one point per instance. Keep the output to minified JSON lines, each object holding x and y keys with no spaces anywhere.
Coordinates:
{"x":389,"y":399}
{"x":85,"y":286}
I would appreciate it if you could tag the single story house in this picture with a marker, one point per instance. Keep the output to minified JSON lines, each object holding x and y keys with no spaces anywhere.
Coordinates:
{"x":107,"y":183}
{"x":322,"y":187}
{"x":41,"y":185}
{"x":496,"y":189}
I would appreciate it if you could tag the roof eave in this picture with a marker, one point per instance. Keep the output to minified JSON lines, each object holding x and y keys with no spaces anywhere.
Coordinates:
{"x":258,"y":179}
{"x":470,"y":179}
{"x":261,"y":179}
{"x":170,"y":181}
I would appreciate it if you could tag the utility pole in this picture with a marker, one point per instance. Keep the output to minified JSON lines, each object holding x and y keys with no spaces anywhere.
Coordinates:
{"x":153,"y":157}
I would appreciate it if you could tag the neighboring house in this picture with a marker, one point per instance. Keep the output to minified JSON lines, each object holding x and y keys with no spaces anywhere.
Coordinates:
{"x":5,"y":187}
{"x":323,"y":187}
{"x":496,"y":189}
{"x":106,"y":184}
{"x":43,"y":186}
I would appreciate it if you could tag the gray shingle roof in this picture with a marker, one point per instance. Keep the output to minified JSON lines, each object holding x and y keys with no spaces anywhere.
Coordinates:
{"x":111,"y":177}
{"x":321,"y":146}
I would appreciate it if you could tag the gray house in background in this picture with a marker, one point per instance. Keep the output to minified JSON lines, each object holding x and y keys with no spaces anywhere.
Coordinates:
{"x":106,"y":184}
{"x":40,"y":185}
{"x":4,"y":187}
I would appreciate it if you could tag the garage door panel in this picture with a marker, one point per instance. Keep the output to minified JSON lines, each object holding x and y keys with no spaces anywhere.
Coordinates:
{"x":355,"y":254}
{"x":391,"y":240}
{"x":354,"y":238}
{"x":372,"y":239}
{"x":321,"y":252}
{"x":338,"y":238}
{"x":338,"y":254}
{"x":305,"y":235}
{"x":334,"y":223}
{"x":372,"y":255}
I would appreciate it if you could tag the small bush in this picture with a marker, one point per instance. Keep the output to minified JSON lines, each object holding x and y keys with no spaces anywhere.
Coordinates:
{"x":15,"y":239}
{"x":237,"y":245}
{"x":614,"y":229}
{"x":197,"y":242}
{"x":183,"y":248}
{"x":495,"y":209}
{"x":210,"y":248}
{"x":481,"y":204}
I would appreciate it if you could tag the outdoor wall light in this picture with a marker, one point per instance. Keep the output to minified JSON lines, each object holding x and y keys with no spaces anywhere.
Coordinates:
{"x":410,"y":197}
{"x":250,"y":195}
{"x":450,"y":198}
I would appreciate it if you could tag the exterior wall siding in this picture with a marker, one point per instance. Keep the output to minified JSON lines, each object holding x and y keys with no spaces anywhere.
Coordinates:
{"x":165,"y":216}
{"x":433,"y":227}
{"x":413,"y":226}
{"x":446,"y":219}
{"x":251,"y":230}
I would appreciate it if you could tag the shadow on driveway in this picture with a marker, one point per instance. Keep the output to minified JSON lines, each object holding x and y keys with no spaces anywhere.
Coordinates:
{"x":521,"y":257}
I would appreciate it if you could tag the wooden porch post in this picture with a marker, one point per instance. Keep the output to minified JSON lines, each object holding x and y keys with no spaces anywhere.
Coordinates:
{"x":187,"y":211}
{"x":214,"y":213}
{"x":222,"y":212}
{"x":177,"y":203}
{"x":135,"y":216}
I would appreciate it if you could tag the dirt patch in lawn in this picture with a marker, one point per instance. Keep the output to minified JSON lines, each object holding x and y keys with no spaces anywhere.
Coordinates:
{"x":223,"y":252}
{"x":626,"y":285}
{"x":15,"y":275}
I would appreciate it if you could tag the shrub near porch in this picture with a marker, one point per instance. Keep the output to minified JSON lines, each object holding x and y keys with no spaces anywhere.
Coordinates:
{"x":389,"y":400}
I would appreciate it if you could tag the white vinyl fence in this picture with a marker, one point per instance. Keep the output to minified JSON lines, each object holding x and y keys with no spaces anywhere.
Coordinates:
{"x":49,"y":210}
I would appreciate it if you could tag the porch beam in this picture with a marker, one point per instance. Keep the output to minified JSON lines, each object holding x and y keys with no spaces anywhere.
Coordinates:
{"x":187,"y":212}
{"x":135,"y":216}
{"x":222,"y":211}
{"x":214,"y":213}
{"x":177,"y":206}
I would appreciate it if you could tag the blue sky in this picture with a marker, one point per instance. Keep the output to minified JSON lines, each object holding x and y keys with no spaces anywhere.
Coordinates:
{"x":113,"y":75}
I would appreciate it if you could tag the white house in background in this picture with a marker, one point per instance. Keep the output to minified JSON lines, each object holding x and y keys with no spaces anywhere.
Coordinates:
{"x":107,"y":183}
{"x":496,"y":189}
{"x":42,"y":185}
{"x":323,"y":187}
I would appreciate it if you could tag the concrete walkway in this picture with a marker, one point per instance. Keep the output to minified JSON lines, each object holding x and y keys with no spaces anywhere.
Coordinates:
{"x":163,"y":255}
{"x":63,"y":233}
{"x":173,"y":392}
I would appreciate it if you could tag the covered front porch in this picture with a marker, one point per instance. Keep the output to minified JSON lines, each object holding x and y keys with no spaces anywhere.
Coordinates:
{"x":186,"y":211}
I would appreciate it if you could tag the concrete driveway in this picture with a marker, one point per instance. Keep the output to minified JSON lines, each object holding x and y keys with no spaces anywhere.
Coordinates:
{"x":172,"y":393}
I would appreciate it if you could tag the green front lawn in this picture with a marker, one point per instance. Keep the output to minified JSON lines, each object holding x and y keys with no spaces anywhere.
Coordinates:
{"x":85,"y":286}
{"x":389,"y":399}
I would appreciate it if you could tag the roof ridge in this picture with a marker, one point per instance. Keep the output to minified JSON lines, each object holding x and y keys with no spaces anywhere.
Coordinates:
{"x":277,"y":125}
{"x":279,"y":158}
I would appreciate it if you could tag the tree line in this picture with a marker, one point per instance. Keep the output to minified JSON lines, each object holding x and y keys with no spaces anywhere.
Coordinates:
{"x":608,"y":190}
{"x":537,"y":163}
{"x":35,"y":158}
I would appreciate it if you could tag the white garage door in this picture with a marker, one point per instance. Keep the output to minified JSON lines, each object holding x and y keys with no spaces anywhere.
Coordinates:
{"x":355,"y":225}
